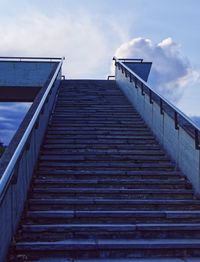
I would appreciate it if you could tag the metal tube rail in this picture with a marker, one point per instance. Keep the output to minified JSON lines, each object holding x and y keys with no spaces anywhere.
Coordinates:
{"x":110,"y":76}
{"x":8,"y":173}
{"x":30,"y":58}
{"x":130,"y":59}
{"x":162,"y":99}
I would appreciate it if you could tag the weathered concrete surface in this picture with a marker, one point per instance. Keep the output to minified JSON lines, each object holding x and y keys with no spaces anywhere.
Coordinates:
{"x":12,"y":205}
{"x":178,"y":143}
{"x":20,"y":81}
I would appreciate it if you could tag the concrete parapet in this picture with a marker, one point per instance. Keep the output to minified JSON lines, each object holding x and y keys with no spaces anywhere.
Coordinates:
{"x":177,"y":141}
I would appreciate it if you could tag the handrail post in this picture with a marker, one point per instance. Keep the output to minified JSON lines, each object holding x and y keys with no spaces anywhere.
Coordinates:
{"x":176,"y":120}
{"x":161,"y":106}
{"x":197,"y":144}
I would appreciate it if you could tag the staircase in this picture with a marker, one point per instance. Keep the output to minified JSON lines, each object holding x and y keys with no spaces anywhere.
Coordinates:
{"x":104,"y":188}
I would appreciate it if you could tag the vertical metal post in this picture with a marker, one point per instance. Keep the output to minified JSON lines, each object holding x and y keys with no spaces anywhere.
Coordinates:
{"x":150,"y":97}
{"x":161,"y":106}
{"x":135,"y":80}
{"x":197,"y":145}
{"x":142,"y":89}
{"x":176,"y":120}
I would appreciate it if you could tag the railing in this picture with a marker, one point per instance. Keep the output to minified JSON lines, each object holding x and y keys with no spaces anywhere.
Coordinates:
{"x":173,"y":129}
{"x":165,"y":105}
{"x":16,"y":174}
{"x":110,"y":77}
{"x":129,"y":59}
{"x":29,"y":58}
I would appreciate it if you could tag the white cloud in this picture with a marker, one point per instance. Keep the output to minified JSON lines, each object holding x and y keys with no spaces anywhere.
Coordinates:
{"x":11,"y":115}
{"x":171,"y":72}
{"x":14,"y":107}
{"x":86,"y":40}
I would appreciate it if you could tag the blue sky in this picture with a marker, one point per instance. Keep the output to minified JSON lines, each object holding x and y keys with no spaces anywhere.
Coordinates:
{"x":89,"y":32}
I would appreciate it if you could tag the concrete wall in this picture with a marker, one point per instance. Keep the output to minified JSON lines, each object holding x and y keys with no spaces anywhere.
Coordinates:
{"x":179,"y":145}
{"x":12,"y":203}
{"x":141,"y":69}
{"x":15,"y":73}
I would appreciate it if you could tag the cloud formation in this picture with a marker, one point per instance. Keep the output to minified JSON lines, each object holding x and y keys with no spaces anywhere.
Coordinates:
{"x":11,"y":116}
{"x":171,"y":72}
{"x":86,"y":40}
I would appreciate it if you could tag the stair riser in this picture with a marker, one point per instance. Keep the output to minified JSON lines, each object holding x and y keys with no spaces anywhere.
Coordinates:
{"x":104,"y":188}
{"x":98,"y":146}
{"x":113,"y":217}
{"x":126,"y":154}
{"x":93,"y":177}
{"x":110,"y":253}
{"x":103,"y":165}
{"x":101,"y":207}
{"x":38,"y":195}
{"x":106,"y":158}
{"x":45,"y":235}
{"x":136,"y":186}
{"x":104,"y":136}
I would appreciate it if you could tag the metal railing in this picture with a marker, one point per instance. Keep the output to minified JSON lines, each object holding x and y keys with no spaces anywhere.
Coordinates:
{"x":17,"y":165}
{"x":110,"y":77}
{"x":129,"y":59}
{"x":180,"y":119}
{"x":8,"y":173}
{"x":29,"y":58}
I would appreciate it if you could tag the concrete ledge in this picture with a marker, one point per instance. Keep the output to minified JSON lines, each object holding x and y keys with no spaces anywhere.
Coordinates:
{"x":20,"y":81}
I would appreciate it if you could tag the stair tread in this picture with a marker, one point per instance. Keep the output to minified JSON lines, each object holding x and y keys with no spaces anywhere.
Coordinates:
{"x":112,"y":190}
{"x":121,"y":227}
{"x":104,"y":188}
{"x":96,"y":201}
{"x":106,"y":243}
{"x":113,"y":181}
{"x":112,"y":213}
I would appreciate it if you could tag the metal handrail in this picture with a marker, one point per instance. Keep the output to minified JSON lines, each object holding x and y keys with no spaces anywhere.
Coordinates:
{"x":130,"y":59}
{"x":8,"y":173}
{"x":177,"y":111}
{"x":110,"y":76}
{"x":30,"y":58}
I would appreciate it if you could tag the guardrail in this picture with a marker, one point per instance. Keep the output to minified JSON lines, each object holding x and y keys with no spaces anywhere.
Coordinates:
{"x":29,"y":58}
{"x":16,"y":175}
{"x":174,"y":130}
{"x":110,"y":77}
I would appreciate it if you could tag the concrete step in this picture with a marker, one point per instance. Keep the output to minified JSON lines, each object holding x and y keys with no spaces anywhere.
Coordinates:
{"x":94,"y":203}
{"x":98,"y":157}
{"x":41,"y":192}
{"x":105,"y":130}
{"x":113,"y":248}
{"x":138,"y":132}
{"x":96,"y":121}
{"x":108,"y":164}
{"x":44,"y":232}
{"x":99,"y":136}
{"x":109,"y":174}
{"x":112,"y":216}
{"x":113,"y":183}
{"x":104,"y":189}
{"x":96,"y":125}
{"x":103,"y":146}
{"x":124,"y":142}
{"x":109,"y":129}
{"x":96,"y":112}
{"x":104,"y":152}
